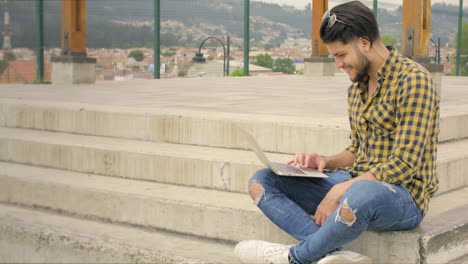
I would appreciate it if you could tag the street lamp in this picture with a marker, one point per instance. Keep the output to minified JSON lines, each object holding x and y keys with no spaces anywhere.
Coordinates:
{"x":437,"y":51}
{"x":200,"y":59}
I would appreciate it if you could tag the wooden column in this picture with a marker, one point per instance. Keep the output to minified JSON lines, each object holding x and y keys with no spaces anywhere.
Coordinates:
{"x":319,"y":7}
{"x":73,"y":28}
{"x":416,"y":28}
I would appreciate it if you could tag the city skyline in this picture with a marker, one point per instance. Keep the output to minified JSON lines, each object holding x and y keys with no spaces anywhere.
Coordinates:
{"x":300,"y":4}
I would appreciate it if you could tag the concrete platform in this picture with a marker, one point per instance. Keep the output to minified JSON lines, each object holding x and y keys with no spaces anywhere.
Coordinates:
{"x":121,"y":161}
{"x":219,"y":215}
{"x":308,"y":98}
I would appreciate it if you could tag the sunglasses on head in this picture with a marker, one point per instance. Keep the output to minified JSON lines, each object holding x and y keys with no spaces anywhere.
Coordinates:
{"x":332,"y":19}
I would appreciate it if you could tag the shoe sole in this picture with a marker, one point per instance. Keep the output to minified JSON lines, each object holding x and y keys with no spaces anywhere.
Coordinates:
{"x":340,"y":260}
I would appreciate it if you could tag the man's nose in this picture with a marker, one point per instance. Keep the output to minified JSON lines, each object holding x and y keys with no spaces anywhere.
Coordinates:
{"x":339,"y":63}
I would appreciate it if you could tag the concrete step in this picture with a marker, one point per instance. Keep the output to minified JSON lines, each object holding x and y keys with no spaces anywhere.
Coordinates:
{"x":283,"y":134}
{"x":43,"y":237}
{"x":207,"y":167}
{"x":221,"y":215}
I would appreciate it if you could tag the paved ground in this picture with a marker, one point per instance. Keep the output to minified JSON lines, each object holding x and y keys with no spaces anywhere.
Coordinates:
{"x":298,"y":96}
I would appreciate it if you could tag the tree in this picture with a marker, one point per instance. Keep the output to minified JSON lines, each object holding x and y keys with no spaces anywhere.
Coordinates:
{"x":237,"y":73}
{"x":285,"y":65}
{"x":183,"y":69}
{"x":137,"y":55}
{"x":3,"y":65}
{"x":264,"y":60}
{"x":390,"y":40}
{"x":168,"y":53}
{"x":8,"y":56}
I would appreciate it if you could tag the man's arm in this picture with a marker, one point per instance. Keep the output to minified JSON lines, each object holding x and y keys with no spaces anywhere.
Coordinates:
{"x":344,"y":159}
{"x":314,"y":160}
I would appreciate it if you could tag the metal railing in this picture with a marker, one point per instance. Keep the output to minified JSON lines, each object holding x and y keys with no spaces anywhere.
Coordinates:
{"x":169,"y":33}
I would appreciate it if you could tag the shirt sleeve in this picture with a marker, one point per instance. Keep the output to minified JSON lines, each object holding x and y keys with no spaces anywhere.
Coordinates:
{"x":354,"y":146}
{"x":416,"y":105}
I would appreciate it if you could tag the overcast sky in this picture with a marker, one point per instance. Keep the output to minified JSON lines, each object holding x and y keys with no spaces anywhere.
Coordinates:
{"x":300,"y":4}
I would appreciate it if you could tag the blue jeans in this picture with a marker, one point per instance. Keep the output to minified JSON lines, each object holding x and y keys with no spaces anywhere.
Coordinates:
{"x":289,"y":203}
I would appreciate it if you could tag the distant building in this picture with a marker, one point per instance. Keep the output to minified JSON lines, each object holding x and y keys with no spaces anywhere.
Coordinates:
{"x":120,"y":63}
{"x":23,"y":72}
{"x":162,"y":68}
{"x":299,"y":64}
{"x":293,"y":43}
{"x":214,"y":68}
{"x":253,"y":54}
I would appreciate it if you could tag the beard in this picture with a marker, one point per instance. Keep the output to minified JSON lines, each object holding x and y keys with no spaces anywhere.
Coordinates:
{"x":362,"y":68}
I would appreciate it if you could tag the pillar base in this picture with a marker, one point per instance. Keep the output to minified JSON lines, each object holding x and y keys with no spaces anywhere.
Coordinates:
{"x":436,"y":70}
{"x":319,"y":66}
{"x":73,"y":70}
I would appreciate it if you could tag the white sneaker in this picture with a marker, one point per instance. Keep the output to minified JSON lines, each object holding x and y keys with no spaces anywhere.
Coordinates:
{"x":256,"y":251}
{"x":343,"y":257}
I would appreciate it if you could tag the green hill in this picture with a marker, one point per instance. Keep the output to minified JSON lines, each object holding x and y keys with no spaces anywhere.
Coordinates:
{"x":125,"y":24}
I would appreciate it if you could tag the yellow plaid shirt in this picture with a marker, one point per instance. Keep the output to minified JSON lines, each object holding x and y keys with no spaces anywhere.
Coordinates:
{"x":395,"y":132}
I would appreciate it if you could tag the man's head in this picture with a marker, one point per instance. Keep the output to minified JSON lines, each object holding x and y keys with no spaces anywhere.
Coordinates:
{"x":349,"y":21}
{"x":349,"y":31}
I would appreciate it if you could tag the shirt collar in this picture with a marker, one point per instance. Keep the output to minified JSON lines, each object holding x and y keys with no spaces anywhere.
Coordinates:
{"x":386,"y":68}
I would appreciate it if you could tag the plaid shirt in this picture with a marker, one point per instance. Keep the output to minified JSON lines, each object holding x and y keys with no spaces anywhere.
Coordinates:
{"x":394,"y":133}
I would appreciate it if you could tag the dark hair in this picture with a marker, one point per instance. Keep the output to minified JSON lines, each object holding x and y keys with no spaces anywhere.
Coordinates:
{"x":357,"y":20}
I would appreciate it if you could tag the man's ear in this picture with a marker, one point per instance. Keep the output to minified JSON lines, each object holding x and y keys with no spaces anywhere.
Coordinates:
{"x":364,"y":44}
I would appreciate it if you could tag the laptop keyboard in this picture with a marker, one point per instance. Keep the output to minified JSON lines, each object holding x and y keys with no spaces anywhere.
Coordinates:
{"x":285,"y":168}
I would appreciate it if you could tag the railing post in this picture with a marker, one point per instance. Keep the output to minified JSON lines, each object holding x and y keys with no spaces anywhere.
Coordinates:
{"x":157,"y":39}
{"x":375,"y":9}
{"x":40,"y":41}
{"x":459,"y":37}
{"x":228,"y":54}
{"x":246,"y":36}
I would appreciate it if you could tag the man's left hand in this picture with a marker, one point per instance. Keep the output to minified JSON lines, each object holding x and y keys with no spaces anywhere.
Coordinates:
{"x":330,"y":203}
{"x":332,"y":199}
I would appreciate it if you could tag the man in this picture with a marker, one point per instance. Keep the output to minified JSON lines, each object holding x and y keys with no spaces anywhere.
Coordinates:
{"x":383,"y":180}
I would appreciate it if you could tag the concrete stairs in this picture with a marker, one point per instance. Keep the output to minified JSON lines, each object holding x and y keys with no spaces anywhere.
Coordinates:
{"x":97,"y":183}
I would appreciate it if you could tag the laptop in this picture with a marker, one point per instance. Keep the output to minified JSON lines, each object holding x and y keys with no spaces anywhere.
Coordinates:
{"x":281,"y":169}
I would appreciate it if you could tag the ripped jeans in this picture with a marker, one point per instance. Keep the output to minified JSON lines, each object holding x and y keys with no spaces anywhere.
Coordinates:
{"x":289,"y":203}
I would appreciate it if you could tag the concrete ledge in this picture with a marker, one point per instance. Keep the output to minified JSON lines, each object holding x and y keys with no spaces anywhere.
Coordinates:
{"x":453,"y":123}
{"x":218,"y":168}
{"x":442,"y":240}
{"x":274,"y":133}
{"x":319,"y":59}
{"x":39,"y":237}
{"x":441,"y":237}
{"x":220,"y":215}
{"x":213,"y":214}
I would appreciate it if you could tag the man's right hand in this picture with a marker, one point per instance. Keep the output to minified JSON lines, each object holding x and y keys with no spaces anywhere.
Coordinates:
{"x":309,"y":160}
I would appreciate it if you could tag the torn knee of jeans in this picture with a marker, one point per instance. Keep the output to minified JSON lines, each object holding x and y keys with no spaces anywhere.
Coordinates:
{"x":256,"y":191}
{"x":345,"y":214}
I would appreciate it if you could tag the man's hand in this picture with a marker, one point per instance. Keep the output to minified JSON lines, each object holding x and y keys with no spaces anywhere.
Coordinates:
{"x":309,"y":160}
{"x":330,"y":203}
{"x":333,"y":197}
